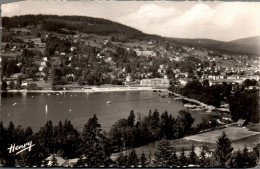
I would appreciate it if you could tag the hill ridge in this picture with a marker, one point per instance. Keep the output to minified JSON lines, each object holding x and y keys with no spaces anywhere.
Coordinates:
{"x":100,"y":26}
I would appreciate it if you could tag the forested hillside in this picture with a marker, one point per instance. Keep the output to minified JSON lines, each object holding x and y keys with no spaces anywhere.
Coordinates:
{"x":99,"y":26}
{"x":71,"y":23}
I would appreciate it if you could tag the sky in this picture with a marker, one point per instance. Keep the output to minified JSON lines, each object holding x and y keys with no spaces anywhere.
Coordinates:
{"x":223,"y":21}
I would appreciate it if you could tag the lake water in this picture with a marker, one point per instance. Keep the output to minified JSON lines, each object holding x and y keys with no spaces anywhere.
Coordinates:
{"x":28,"y":109}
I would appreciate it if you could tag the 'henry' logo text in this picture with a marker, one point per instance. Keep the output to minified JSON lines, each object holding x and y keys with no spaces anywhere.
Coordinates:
{"x":21,"y":148}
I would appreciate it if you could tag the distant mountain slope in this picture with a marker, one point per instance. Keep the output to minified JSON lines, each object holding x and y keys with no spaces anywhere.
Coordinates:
{"x":250,"y":41}
{"x":219,"y":45}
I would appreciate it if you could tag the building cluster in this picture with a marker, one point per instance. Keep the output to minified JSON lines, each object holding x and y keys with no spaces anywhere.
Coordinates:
{"x":241,"y":67}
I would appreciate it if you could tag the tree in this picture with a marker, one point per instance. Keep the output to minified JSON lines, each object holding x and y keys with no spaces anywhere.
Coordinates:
{"x":28,"y":133}
{"x":238,"y":160}
{"x":246,"y":157}
{"x":143,"y":160}
{"x":166,"y":125}
{"x":39,"y":54}
{"x":94,"y":145}
{"x":7,"y":46}
{"x":56,"y":77}
{"x":19,"y":82}
{"x":256,"y":149}
{"x":154,"y":122}
{"x":4,"y":85}
{"x":247,"y":83}
{"x":202,"y":159}
{"x":45,"y":139}
{"x":163,"y":153}
{"x":133,"y":159}
{"x":131,"y":119}
{"x":116,"y":134}
{"x":182,"y":159}
{"x":223,"y":150}
{"x":121,"y":160}
{"x":205,"y":83}
{"x":4,"y":143}
{"x":54,"y":161}
{"x":174,"y":159}
{"x":80,"y":82}
{"x":185,"y":121}
{"x":11,"y":84}
{"x":249,"y":158}
{"x":80,"y":162}
{"x":193,"y":158}
{"x":243,"y":104}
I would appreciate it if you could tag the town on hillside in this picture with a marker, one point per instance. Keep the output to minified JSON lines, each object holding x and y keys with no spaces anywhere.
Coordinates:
{"x":34,"y":58}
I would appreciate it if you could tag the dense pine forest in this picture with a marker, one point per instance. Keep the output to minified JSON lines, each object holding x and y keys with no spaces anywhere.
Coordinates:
{"x":93,"y":147}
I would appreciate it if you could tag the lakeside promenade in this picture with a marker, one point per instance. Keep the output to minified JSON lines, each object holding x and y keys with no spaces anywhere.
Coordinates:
{"x":210,"y":107}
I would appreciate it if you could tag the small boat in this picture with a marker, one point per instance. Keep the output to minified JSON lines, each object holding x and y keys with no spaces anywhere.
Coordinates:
{"x":109,"y":102}
{"x":190,"y":106}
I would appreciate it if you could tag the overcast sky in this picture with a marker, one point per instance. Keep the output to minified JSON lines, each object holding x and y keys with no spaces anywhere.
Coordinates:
{"x":214,"y":20}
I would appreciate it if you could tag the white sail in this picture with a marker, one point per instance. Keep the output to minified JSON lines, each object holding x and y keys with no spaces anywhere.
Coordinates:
{"x":46,"y":109}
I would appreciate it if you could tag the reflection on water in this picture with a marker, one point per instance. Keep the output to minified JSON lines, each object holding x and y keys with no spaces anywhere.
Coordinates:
{"x":28,"y":109}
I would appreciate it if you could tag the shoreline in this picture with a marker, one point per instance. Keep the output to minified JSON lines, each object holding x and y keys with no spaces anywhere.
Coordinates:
{"x":209,"y":107}
{"x":91,"y":90}
{"x":96,"y":89}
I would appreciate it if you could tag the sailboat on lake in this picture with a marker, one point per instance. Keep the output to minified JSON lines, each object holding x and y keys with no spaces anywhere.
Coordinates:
{"x":46,"y":111}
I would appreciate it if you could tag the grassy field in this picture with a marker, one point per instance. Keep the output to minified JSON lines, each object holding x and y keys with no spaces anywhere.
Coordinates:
{"x":239,"y":138}
{"x":233,"y":133}
{"x":178,"y":144}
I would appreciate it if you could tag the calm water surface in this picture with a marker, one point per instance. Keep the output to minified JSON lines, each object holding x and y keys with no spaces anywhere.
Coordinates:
{"x":28,"y":109}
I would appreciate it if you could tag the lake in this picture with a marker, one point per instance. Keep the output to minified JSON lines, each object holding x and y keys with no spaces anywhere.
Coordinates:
{"x":28,"y":109}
